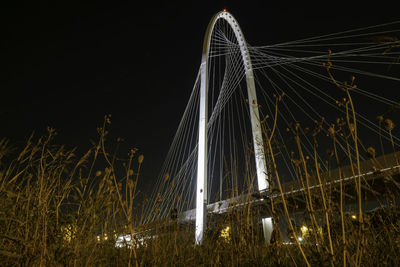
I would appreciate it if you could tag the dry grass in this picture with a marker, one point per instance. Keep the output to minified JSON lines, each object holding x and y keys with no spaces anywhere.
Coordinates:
{"x":57,"y":209}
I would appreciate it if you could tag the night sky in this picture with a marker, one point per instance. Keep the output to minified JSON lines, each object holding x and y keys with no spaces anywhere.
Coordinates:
{"x":67,"y":65}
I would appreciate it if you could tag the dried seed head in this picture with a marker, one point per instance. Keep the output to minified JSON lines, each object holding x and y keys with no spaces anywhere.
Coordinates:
{"x":130,"y":183}
{"x":132,"y":152}
{"x":296,"y":162}
{"x":370,"y":152}
{"x":51,"y":130}
{"x":351,"y":127}
{"x":331,"y":130}
{"x":389,"y":125}
{"x":140,"y":159}
{"x":166,"y":177}
{"x":158,"y":198}
{"x":98,"y":173}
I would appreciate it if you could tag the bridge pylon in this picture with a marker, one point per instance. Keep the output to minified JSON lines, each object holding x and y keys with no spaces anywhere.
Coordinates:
{"x":259,"y":153}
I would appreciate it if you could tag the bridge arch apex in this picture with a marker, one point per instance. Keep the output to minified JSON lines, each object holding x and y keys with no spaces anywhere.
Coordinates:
{"x":228,"y":17}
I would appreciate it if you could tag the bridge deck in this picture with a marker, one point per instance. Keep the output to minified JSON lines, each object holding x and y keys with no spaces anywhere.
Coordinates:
{"x":377,"y":175}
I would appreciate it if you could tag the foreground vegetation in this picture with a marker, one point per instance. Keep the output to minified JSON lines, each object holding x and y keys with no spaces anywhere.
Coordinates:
{"x":58,"y":209}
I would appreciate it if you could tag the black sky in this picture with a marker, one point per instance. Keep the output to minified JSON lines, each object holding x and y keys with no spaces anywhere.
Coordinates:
{"x":67,"y":64}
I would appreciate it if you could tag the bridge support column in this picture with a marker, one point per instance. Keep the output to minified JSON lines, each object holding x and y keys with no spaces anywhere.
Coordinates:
{"x":268,"y":227}
{"x":258,"y":144}
{"x":201,"y":188}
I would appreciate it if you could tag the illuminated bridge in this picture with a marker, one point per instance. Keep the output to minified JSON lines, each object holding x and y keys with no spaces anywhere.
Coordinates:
{"x":283,"y":123}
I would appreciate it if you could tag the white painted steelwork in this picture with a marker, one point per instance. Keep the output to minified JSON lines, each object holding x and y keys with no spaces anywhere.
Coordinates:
{"x":201,"y":191}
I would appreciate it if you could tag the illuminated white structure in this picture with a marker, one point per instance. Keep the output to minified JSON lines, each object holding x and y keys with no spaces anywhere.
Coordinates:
{"x":201,"y":191}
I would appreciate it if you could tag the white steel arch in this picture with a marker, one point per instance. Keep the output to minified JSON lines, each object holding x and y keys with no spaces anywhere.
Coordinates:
{"x":201,"y":191}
